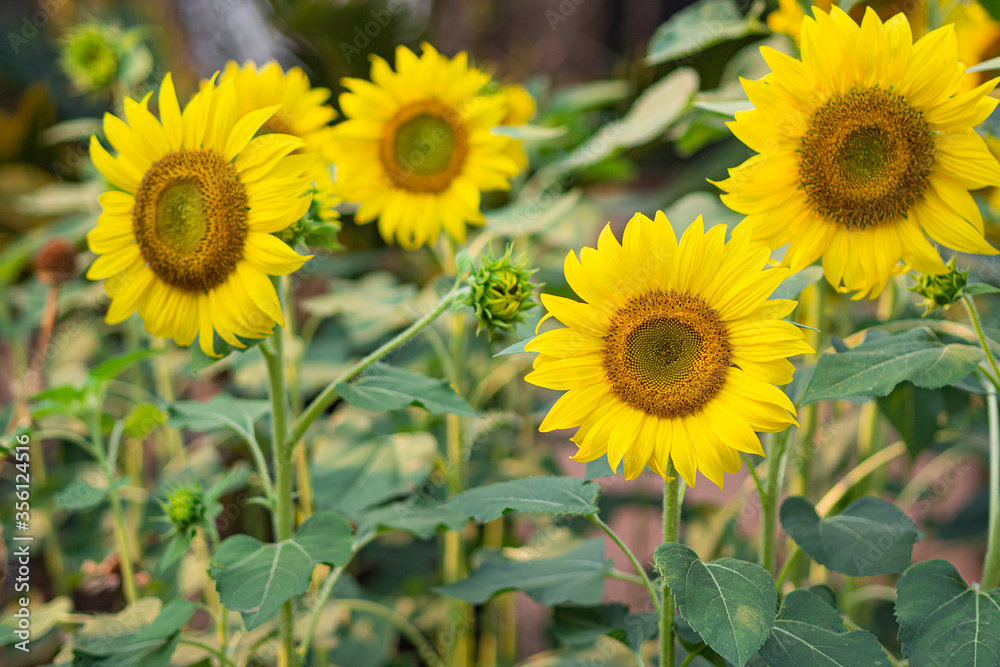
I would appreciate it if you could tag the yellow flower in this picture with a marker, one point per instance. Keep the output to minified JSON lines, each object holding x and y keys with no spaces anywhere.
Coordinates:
{"x":978,"y":35}
{"x":416,"y":149}
{"x":521,"y":108}
{"x":303,"y":113}
{"x":186,"y":238}
{"x":865,"y":145}
{"x":674,"y":352}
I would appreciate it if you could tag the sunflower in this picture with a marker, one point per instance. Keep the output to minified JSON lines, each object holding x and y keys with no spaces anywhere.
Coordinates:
{"x":186,"y":238}
{"x":865,"y":145}
{"x":978,"y":35}
{"x":674,"y":352}
{"x":416,"y":149}
{"x":303,"y":113}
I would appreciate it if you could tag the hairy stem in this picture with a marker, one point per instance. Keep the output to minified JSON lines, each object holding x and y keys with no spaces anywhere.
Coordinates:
{"x":281,"y":449}
{"x":671,"y":529}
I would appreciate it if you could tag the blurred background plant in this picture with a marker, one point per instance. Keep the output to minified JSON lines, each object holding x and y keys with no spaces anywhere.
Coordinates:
{"x":632,"y":100}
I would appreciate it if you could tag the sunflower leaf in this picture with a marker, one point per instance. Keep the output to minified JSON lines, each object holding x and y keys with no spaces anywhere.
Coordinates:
{"x":255,"y":578}
{"x":728,"y":602}
{"x":882,"y":361}
{"x":575,"y":577}
{"x":943,"y":622}
{"x":869,"y":537}
{"x":543,"y":495}
{"x":698,"y":27}
{"x":391,"y":388}
{"x":810,"y":633}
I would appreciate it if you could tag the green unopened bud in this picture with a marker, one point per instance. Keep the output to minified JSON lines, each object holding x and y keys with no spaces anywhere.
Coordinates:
{"x":185,"y":508}
{"x":500,"y":291}
{"x":941,"y":290}
{"x":92,"y":56}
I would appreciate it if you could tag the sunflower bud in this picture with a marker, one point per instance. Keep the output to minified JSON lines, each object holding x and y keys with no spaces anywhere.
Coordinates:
{"x":92,"y":56}
{"x":942,"y":290}
{"x":55,"y":262}
{"x":500,"y":291}
{"x":185,"y":508}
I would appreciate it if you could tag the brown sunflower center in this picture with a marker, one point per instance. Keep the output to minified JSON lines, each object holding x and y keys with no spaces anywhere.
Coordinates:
{"x":866,"y":158}
{"x":190,"y":219}
{"x":424,"y":147}
{"x":666,"y":353}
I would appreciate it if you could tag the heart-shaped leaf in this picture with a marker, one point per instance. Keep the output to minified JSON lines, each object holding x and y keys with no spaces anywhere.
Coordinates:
{"x":810,"y":633}
{"x":882,"y":361}
{"x":944,"y":622}
{"x":869,"y":537}
{"x":729,"y":602}
{"x":255,"y":578}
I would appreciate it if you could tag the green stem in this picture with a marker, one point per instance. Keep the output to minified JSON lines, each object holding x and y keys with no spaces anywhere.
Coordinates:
{"x":983,"y":341}
{"x":776,"y":460}
{"x":625,"y":576}
{"x":330,"y":394}
{"x":324,"y":596}
{"x":671,"y":529}
{"x":121,"y":535}
{"x":693,"y":654}
{"x":218,"y":653}
{"x":991,"y":565}
{"x":401,"y":623}
{"x":596,"y":520}
{"x":786,"y":569}
{"x":281,"y":446}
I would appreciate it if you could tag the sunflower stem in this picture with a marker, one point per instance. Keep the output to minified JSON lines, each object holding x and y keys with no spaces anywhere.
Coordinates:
{"x":991,"y":565}
{"x":281,"y":450}
{"x":330,"y":394}
{"x":776,"y":460}
{"x":671,"y":529}
{"x":108,"y":459}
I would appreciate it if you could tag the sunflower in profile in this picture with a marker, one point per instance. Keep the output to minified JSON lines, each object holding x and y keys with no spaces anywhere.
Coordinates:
{"x":865,"y":145}
{"x":187,"y":237}
{"x":673,"y":353}
{"x":416,"y":148}
{"x":303,"y":113}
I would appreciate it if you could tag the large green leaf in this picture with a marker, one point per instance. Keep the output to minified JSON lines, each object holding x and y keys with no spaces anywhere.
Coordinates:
{"x":810,"y":633}
{"x":869,"y":537}
{"x":391,"y":388}
{"x":575,"y":577}
{"x":420,"y":519}
{"x":350,"y":477}
{"x":126,"y":640}
{"x":543,"y":495}
{"x":882,"y":361}
{"x":944,"y":622}
{"x":256,"y":578}
{"x":729,"y":602}
{"x":697,"y":27}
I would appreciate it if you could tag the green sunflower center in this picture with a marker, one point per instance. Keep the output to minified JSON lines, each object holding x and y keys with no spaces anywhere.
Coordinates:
{"x":866,"y":158}
{"x":190,"y":219}
{"x":666,"y":353}
{"x":424,"y":147}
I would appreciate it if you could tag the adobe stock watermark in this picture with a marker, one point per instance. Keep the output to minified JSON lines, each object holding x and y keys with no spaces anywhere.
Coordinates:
{"x":363,"y":35}
{"x":30,"y":25}
{"x":562,"y":12}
